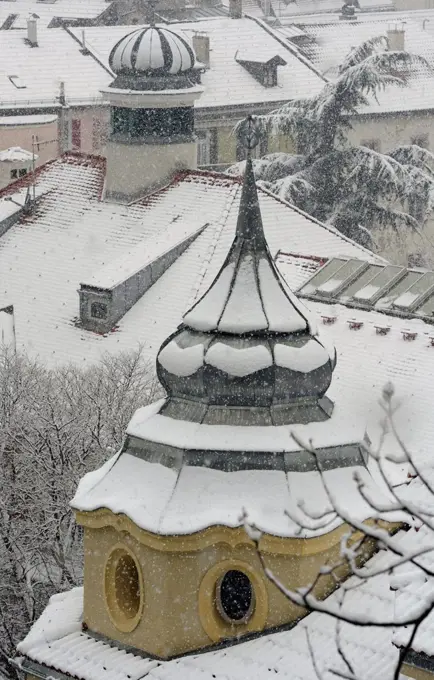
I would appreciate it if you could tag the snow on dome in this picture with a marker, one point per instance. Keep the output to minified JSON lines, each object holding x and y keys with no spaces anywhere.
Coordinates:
{"x":15,"y":154}
{"x":152,"y":50}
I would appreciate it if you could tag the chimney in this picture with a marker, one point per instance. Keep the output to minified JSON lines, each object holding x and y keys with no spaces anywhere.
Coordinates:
{"x":32,"y":30}
{"x":396,"y":38}
{"x":202,"y":48}
{"x":235,"y":9}
{"x":266,"y":7}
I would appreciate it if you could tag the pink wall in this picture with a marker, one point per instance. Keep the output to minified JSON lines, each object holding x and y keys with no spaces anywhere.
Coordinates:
{"x":14,"y":133}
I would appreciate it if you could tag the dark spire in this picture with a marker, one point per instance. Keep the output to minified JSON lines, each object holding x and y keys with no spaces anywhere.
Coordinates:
{"x":249,"y":224}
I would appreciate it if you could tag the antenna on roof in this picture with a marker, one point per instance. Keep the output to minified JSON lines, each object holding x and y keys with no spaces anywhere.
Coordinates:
{"x":30,"y":201}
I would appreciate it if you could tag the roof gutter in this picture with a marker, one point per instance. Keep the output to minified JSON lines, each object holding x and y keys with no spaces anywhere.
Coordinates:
{"x":26,"y":665}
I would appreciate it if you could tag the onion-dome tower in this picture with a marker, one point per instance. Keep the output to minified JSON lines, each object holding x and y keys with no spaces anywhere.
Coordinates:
{"x":157,"y":81}
{"x":248,"y":345}
{"x":169,"y":566}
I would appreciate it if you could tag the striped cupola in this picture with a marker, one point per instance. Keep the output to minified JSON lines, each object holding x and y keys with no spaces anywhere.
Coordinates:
{"x":152,"y":50}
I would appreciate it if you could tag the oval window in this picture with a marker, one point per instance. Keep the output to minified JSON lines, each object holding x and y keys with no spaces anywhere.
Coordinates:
{"x":127,"y":586}
{"x":123,"y":588}
{"x":235,"y":597}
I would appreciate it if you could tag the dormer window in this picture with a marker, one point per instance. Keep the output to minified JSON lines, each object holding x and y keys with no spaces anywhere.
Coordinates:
{"x":262,"y":67}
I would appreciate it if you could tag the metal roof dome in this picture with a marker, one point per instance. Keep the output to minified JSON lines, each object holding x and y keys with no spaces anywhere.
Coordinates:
{"x":248,"y":345}
{"x":152,"y":50}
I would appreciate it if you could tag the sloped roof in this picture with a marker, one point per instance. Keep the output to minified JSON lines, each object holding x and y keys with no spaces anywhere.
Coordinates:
{"x":38,"y":71}
{"x":73,"y":234}
{"x":227,"y":82}
{"x":316,"y":6}
{"x":331,"y":41}
{"x":47,"y":11}
{"x":283,"y":654}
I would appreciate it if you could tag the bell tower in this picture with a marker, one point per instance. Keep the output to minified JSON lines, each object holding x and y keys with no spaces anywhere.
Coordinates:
{"x":152,"y":111}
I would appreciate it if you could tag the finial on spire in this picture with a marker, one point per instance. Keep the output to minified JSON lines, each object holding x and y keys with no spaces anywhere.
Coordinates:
{"x":249,"y":134}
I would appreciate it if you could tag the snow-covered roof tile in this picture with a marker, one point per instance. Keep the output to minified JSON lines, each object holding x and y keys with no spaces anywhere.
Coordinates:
{"x":31,"y":76}
{"x":160,"y":499}
{"x":47,"y":11}
{"x":15,"y":154}
{"x":57,"y":640}
{"x":300,"y":7}
{"x":283,"y":654}
{"x":94,"y":234}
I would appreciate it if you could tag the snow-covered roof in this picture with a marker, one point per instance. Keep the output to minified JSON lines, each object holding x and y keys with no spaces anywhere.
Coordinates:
{"x":16,"y":154}
{"x":414,"y":588}
{"x":159,"y":499}
{"x":31,"y":119}
{"x":14,"y":15}
{"x":332,"y":41}
{"x":95,"y":234}
{"x":31,"y":76}
{"x":57,"y":642}
{"x":300,"y":7}
{"x":227,"y":82}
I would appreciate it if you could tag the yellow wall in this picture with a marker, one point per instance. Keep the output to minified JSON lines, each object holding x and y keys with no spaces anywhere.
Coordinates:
{"x":416,"y":673}
{"x":392,"y":130}
{"x":179,"y":574}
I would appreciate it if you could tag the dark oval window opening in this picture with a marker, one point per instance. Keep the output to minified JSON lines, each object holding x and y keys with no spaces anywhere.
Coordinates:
{"x":235,"y":597}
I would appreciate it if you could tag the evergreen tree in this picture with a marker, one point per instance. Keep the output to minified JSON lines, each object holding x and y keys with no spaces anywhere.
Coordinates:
{"x":352,"y":187}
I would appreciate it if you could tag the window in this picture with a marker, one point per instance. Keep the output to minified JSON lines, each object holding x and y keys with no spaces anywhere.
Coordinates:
{"x":98,"y":310}
{"x":235,"y":598}
{"x":269,"y":76}
{"x":373,"y":144}
{"x":76,"y":134}
{"x":99,"y":133}
{"x":22,"y":172}
{"x":123,"y":589}
{"x":203,"y":147}
{"x":421,"y":140}
{"x":14,"y":174}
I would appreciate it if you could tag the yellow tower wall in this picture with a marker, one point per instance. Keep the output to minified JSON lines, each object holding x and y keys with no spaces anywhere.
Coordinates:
{"x":178,"y":575}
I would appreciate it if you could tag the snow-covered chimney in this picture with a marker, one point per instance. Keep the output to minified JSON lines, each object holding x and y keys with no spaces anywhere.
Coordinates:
{"x":235,"y":9}
{"x":396,"y":38}
{"x":201,"y":46}
{"x":32,"y":30}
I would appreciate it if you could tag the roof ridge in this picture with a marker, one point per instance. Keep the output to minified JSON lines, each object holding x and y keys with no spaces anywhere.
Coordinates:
{"x":290,"y":48}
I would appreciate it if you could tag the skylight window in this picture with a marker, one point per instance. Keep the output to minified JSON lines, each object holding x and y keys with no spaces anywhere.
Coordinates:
{"x":17,"y":82}
{"x":326,"y":272}
{"x":397,"y":291}
{"x":384,"y":279}
{"x":419,"y":291}
{"x":342,"y":278}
